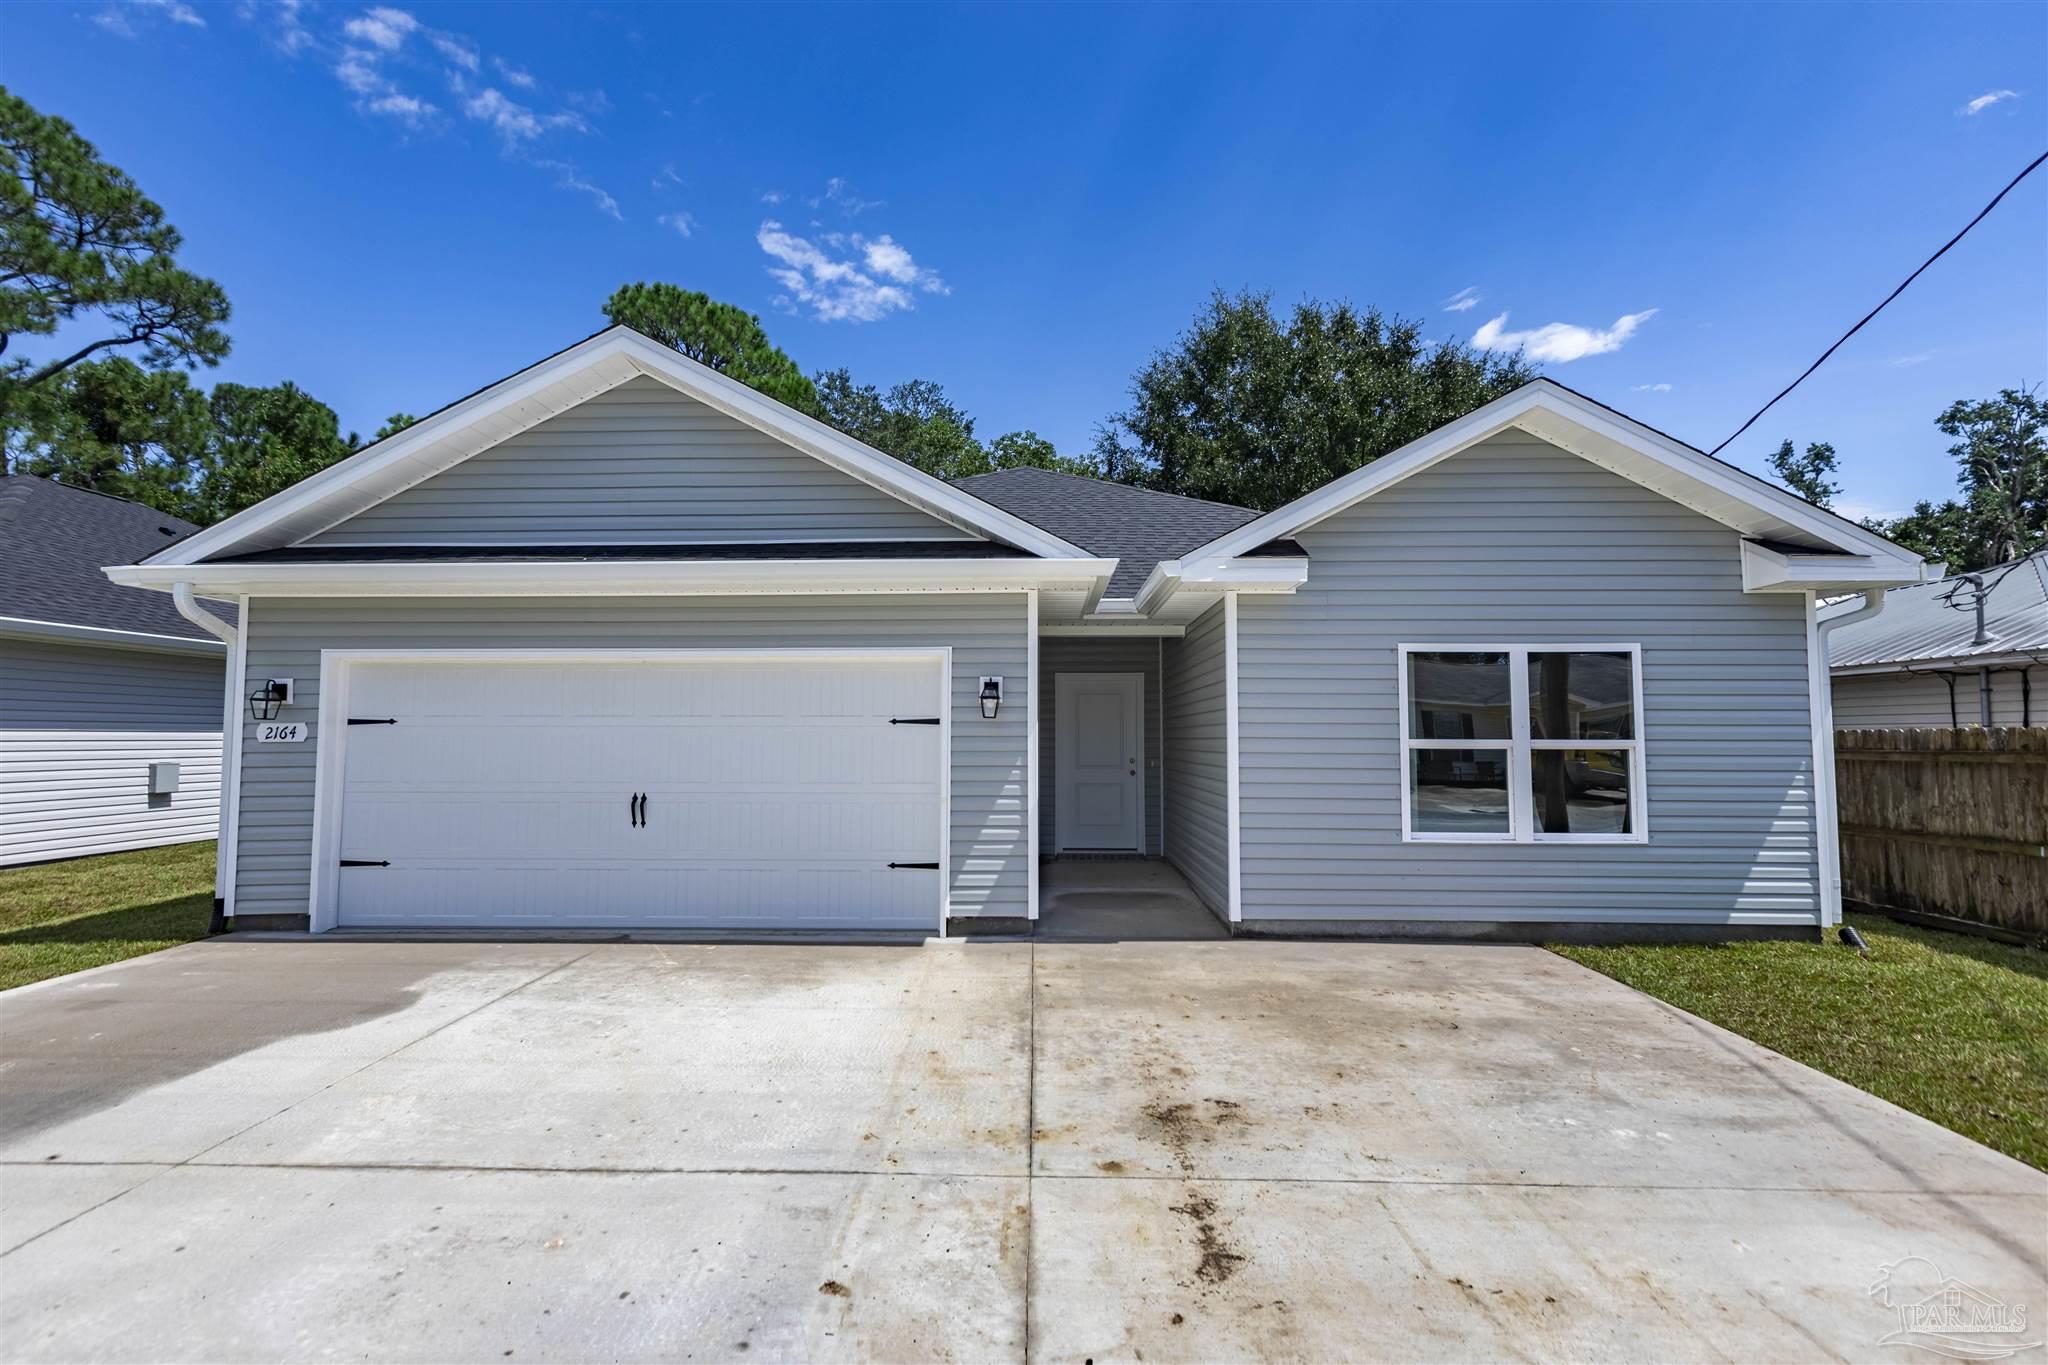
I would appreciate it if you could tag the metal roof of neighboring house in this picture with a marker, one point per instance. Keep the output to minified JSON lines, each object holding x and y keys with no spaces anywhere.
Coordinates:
{"x":1136,"y":526}
{"x":1938,"y":621}
{"x":54,"y":539}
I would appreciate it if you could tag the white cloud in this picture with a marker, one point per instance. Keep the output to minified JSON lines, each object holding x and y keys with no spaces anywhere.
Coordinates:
{"x":383,"y":28}
{"x":114,"y":22}
{"x":358,"y":71}
{"x":288,"y":28}
{"x":1907,"y":361}
{"x":836,"y":287}
{"x":666,"y":177}
{"x":1649,"y":388}
{"x":569,"y":178}
{"x":174,"y":10}
{"x":843,"y":199}
{"x":683,"y":222}
{"x":773,"y":197}
{"x":513,"y":120}
{"x":114,"y":19}
{"x":1560,"y":342}
{"x":410,"y":111}
{"x":460,"y":51}
{"x":1986,"y":100}
{"x":1464,"y":301}
{"x":514,"y":75}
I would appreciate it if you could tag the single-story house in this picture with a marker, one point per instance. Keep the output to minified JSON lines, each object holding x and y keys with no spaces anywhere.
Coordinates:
{"x":110,"y":700}
{"x":1960,"y":651}
{"x":620,"y":642}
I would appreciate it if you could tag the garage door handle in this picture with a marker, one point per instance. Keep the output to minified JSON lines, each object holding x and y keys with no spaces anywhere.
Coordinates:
{"x":933,"y":866}
{"x":636,"y":809}
{"x":913,"y":720}
{"x":366,"y":862}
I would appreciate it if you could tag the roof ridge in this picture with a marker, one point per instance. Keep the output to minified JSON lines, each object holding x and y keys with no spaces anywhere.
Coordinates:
{"x":1111,"y":483}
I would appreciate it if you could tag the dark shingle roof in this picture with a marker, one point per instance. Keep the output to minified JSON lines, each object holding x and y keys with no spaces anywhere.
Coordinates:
{"x":54,"y":540}
{"x":1136,"y":525}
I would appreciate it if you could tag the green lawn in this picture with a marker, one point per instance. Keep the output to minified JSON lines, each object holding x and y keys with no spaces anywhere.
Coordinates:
{"x":1952,"y":1027}
{"x":65,"y":917}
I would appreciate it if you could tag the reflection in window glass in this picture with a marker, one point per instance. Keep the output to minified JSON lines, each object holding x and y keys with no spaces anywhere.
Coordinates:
{"x":1580,"y":791}
{"x":1581,"y":696}
{"x":1459,"y":696}
{"x":1458,"y":791}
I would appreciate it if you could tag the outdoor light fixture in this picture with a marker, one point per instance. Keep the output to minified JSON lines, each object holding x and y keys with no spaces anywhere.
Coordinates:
{"x":265,"y":700}
{"x":991,"y":697}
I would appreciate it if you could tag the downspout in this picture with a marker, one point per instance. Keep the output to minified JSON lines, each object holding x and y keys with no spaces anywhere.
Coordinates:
{"x":231,"y":717}
{"x":1827,"y":823}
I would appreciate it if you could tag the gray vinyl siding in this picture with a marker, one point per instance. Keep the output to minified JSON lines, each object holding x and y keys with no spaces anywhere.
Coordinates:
{"x":1908,"y":700}
{"x":79,"y":727}
{"x":1059,"y":654}
{"x":639,"y":464}
{"x":986,"y":631}
{"x":1517,"y":542}
{"x":1197,"y":787}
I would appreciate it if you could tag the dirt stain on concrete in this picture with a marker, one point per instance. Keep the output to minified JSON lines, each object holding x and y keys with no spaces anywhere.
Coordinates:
{"x":1218,"y":1262}
{"x":835,"y":1289}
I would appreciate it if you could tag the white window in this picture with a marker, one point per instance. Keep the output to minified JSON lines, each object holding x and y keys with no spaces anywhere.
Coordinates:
{"x":1522,"y":744}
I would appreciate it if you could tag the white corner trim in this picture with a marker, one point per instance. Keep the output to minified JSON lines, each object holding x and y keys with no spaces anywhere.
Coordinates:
{"x":28,"y":628}
{"x":620,"y":354}
{"x":1031,"y":755}
{"x":1541,"y":407}
{"x":227,"y":869}
{"x":1820,"y":700}
{"x":1231,"y":759}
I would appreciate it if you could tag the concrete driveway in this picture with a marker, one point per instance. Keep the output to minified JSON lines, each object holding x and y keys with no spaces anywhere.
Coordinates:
{"x":245,"y":1150}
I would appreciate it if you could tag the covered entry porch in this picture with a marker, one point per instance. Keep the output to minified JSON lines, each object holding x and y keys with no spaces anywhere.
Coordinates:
{"x":1133,"y":789}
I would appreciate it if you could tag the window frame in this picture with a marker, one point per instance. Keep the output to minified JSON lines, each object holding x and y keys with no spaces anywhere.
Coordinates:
{"x":1520,"y":746}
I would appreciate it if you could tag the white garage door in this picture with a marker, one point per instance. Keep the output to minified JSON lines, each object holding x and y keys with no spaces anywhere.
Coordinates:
{"x":706,"y":792}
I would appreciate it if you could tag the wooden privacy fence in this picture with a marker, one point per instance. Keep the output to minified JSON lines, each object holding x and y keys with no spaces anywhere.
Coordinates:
{"x":1947,"y":822}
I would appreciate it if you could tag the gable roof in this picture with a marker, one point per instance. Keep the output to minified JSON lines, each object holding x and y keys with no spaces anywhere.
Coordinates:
{"x":1137,"y":527}
{"x":53,"y":540}
{"x":1919,"y":624}
{"x":1758,"y":510}
{"x":551,"y":387}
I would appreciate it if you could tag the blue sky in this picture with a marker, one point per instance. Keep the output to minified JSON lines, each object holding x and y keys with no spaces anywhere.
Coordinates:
{"x":407,"y":202}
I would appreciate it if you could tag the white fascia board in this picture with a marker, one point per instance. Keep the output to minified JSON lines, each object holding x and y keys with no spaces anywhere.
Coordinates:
{"x":1767,"y":570}
{"x":23,"y":628}
{"x":621,"y":353}
{"x":628,"y":578}
{"x":1275,"y":575}
{"x":1566,"y":419}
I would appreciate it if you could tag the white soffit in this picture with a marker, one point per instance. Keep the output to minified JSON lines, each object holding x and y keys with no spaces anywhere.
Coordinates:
{"x":550,"y":388}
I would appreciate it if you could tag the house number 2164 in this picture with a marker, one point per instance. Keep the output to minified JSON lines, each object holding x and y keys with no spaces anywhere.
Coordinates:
{"x":280,"y":732}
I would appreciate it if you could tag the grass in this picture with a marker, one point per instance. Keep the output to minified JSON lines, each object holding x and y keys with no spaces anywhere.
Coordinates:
{"x":64,"y":917}
{"x":1952,"y":1027}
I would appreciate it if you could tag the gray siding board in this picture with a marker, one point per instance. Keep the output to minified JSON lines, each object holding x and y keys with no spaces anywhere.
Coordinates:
{"x":79,"y":727}
{"x":1197,"y":782}
{"x":986,"y":631}
{"x":640,"y":463}
{"x":1911,"y":700}
{"x":1517,"y":542}
{"x":1059,"y":654}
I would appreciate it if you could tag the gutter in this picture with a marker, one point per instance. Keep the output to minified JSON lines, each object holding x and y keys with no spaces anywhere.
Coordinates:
{"x":231,"y":722}
{"x":1821,"y":698}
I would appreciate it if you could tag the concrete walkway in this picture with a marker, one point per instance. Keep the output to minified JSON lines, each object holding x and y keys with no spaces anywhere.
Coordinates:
{"x":984,"y":1151}
{"x":1082,"y":900}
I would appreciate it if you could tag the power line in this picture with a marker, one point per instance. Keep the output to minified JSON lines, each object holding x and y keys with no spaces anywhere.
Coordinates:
{"x":2031,"y":165}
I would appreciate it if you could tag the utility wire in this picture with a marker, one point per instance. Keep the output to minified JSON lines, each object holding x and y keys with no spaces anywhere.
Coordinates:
{"x":2031,"y":165}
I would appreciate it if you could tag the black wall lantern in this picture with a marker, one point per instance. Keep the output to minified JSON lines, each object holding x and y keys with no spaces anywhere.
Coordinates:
{"x":991,"y":697}
{"x":265,"y":700}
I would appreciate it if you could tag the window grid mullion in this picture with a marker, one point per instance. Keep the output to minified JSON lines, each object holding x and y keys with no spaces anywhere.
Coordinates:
{"x":1521,"y":805}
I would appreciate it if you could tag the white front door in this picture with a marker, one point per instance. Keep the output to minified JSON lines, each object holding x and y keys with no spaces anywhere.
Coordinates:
{"x":1099,"y":761}
{"x":678,"y":792}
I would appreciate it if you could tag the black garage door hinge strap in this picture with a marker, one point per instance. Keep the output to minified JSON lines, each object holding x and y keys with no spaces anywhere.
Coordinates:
{"x":914,"y":720}
{"x":933,"y":866}
{"x":358,"y":720}
{"x":366,"y":862}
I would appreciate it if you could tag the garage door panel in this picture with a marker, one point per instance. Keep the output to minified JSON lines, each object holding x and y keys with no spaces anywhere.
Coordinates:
{"x":777,"y":793}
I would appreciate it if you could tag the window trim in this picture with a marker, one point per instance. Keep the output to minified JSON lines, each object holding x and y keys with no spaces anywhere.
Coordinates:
{"x":1519,"y":746}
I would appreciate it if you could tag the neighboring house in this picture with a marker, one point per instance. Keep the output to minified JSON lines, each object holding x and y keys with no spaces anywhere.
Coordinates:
{"x":620,"y":642}
{"x":1963,"y":651}
{"x":110,"y":701}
